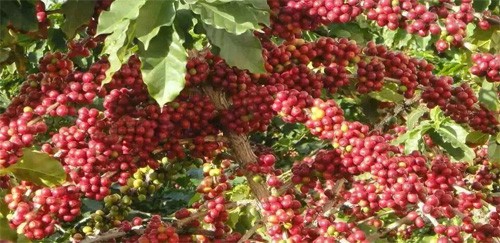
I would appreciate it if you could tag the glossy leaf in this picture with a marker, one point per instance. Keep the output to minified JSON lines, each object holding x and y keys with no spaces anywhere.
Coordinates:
{"x":77,"y":13}
{"x":477,"y":138}
{"x":494,"y":151}
{"x":120,"y":10}
{"x":488,"y":96}
{"x":388,"y":94}
{"x":243,"y":51}
{"x":21,"y":14}
{"x":258,"y":4}
{"x":481,"y":5}
{"x":39,"y":168}
{"x":414,"y":116}
{"x":454,"y":145}
{"x":116,"y":48}
{"x":164,"y":66}
{"x":152,"y":16}
{"x":234,"y":17}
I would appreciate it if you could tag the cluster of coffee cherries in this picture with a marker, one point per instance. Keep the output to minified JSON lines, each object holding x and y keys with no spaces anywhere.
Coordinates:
{"x":156,"y":231}
{"x":486,"y":65}
{"x":39,"y":209}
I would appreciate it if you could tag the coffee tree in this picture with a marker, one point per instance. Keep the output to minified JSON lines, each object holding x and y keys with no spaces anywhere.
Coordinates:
{"x":250,"y":121}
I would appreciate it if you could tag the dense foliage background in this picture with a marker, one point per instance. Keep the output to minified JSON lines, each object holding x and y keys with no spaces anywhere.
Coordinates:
{"x":249,"y":120}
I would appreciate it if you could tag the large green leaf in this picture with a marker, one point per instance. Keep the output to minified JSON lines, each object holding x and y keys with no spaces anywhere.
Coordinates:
{"x":6,"y":233}
{"x":120,"y":10}
{"x":481,"y":5}
{"x":39,"y":168}
{"x":243,"y":51}
{"x":164,"y":65}
{"x":183,"y":24}
{"x":494,"y":151}
{"x":20,"y":13}
{"x":388,"y":94}
{"x":453,"y":145}
{"x":234,"y":17}
{"x":477,"y":138}
{"x":414,"y":116}
{"x":152,"y":16}
{"x":488,"y":96}
{"x":258,"y":4}
{"x":115,"y":46}
{"x":413,"y":139}
{"x":458,"y":131}
{"x":77,"y":13}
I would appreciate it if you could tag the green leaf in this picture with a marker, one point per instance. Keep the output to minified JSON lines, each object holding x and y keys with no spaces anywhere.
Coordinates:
{"x":412,"y":139}
{"x":436,"y":115}
{"x":388,"y":36}
{"x":234,"y":216}
{"x":494,"y":151}
{"x":481,"y":5}
{"x":243,"y":51}
{"x":39,"y":168}
{"x":388,"y":94}
{"x":258,"y":4}
{"x":239,"y":192}
{"x":77,"y":13}
{"x":458,"y":131}
{"x":453,"y":145}
{"x":6,"y":233}
{"x":183,"y":24}
{"x":477,"y":138}
{"x":469,"y":29}
{"x":164,"y":66}
{"x":20,"y":13}
{"x":235,"y":17}
{"x":488,"y":96}
{"x":116,"y":48}
{"x":91,"y":205}
{"x":120,"y":10}
{"x":414,"y":116}
{"x":56,"y":39}
{"x":152,"y":16}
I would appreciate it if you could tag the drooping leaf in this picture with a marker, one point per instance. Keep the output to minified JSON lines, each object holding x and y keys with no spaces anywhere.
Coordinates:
{"x":388,"y":94}
{"x":234,"y":17}
{"x":488,"y":96}
{"x":477,"y":138}
{"x":152,"y":16}
{"x":120,"y":10}
{"x":116,"y":48}
{"x":77,"y":13}
{"x":454,"y":146}
{"x":243,"y":51}
{"x":21,"y":14}
{"x":164,"y":65}
{"x":494,"y":151}
{"x":39,"y":168}
{"x":414,"y":116}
